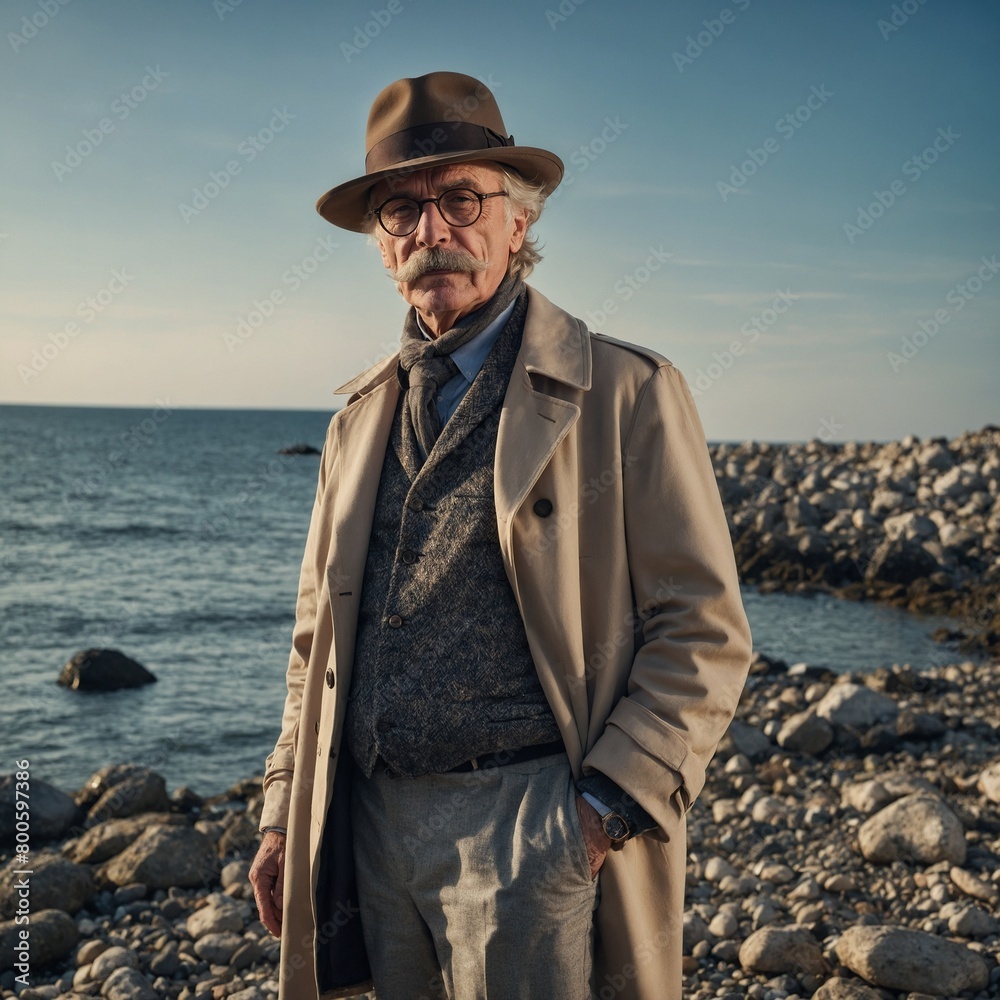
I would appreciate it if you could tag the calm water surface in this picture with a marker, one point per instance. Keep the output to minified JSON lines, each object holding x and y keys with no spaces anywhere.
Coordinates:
{"x":176,"y":537}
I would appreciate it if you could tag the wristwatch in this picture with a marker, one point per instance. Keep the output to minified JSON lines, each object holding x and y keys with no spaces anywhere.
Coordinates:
{"x":616,"y":829}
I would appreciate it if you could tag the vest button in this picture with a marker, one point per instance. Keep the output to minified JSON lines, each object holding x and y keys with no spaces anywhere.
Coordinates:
{"x":395,"y":621}
{"x":330,"y":678}
{"x":409,"y":557}
{"x":384,"y":725}
{"x":415,"y":503}
{"x":542,"y":508}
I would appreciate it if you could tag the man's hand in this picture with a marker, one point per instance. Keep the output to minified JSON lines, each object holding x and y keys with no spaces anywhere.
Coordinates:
{"x":597,"y":841}
{"x":267,"y":876}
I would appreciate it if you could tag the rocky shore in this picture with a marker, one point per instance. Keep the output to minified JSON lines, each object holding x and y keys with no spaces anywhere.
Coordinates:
{"x":846,"y":845}
{"x":912,"y":523}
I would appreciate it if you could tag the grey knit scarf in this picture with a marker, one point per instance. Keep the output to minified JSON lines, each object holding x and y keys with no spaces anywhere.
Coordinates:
{"x":425,"y":365}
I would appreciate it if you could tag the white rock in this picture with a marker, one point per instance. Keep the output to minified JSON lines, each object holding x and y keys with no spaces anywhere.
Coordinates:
{"x":989,"y":781}
{"x":973,"y":922}
{"x":855,"y":706}
{"x":111,"y":959}
{"x":220,"y":916}
{"x":724,"y":925}
{"x":918,"y":827}
{"x":217,"y":949}
{"x":768,"y":809}
{"x":973,"y":885}
{"x":898,"y":958}
{"x":716,"y":869}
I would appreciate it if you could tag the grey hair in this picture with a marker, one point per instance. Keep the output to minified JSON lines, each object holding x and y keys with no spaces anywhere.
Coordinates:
{"x":530,"y":196}
{"x":522,"y":194}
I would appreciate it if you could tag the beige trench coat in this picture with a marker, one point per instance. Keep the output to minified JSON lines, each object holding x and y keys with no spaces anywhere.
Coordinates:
{"x":629,"y":595}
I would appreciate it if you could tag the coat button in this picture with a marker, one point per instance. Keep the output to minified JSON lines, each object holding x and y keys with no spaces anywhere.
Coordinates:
{"x":409,"y":557}
{"x":395,"y":621}
{"x":542,"y":508}
{"x":384,"y":725}
{"x":330,"y":678}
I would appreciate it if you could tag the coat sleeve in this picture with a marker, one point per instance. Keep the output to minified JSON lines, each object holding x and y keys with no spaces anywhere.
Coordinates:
{"x":694,"y":649}
{"x":280,"y":764}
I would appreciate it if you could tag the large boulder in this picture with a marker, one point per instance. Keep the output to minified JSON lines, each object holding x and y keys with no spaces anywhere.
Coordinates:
{"x":53,"y":937}
{"x":805,"y":732}
{"x":123,"y":790}
{"x":916,"y":827}
{"x":55,"y":883}
{"x":53,"y":812}
{"x":782,"y":950}
{"x":855,"y":707}
{"x":103,"y":670}
{"x":898,"y":958}
{"x":165,"y":856}
{"x":113,"y":835}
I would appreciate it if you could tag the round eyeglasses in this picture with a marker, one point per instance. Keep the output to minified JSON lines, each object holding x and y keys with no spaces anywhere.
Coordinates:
{"x":459,"y":207}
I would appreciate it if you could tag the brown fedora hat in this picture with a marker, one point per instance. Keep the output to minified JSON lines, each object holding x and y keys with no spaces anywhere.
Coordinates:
{"x":425,"y":122}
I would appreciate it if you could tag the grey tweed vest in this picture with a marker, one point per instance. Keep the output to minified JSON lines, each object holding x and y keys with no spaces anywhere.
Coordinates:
{"x":442,"y":668}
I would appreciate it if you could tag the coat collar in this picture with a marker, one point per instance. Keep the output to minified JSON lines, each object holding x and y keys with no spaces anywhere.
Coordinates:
{"x":555,"y":345}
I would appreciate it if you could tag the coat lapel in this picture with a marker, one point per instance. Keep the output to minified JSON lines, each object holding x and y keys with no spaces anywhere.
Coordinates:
{"x":535,"y":418}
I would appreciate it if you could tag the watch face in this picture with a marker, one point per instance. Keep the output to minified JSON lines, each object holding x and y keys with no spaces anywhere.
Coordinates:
{"x":615,"y":827}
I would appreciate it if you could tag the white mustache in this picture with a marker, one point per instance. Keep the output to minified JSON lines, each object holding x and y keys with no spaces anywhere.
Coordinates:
{"x":437,"y":259}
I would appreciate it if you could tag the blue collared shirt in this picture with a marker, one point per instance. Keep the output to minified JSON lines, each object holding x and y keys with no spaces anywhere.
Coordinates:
{"x":469,"y":358}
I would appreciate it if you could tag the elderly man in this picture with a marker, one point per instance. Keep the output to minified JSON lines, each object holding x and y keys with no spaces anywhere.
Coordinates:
{"x":519,"y":635}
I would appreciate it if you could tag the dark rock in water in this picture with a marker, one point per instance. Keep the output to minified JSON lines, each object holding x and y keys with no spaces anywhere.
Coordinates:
{"x":123,"y":790}
{"x":103,"y":670}
{"x":56,"y":883}
{"x":299,"y":449}
{"x":52,"y":812}
{"x":53,"y":936}
{"x":166,"y":856}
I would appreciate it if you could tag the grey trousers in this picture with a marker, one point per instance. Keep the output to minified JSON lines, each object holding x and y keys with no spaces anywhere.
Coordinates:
{"x":475,"y":885}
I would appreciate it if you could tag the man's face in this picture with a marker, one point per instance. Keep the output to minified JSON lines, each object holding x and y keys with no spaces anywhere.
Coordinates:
{"x":442,"y":297}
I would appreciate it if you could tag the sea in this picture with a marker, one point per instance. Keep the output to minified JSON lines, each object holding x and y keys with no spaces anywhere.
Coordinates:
{"x":175,"y":536}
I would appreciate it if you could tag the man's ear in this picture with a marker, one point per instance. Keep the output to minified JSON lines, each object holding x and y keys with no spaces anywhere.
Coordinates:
{"x":386,"y":259}
{"x":517,"y":237}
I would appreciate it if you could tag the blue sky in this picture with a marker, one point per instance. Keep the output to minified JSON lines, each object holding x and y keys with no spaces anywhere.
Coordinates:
{"x":721,"y":163}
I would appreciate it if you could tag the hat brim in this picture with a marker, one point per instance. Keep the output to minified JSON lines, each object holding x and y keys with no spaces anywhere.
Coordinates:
{"x":346,"y":205}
